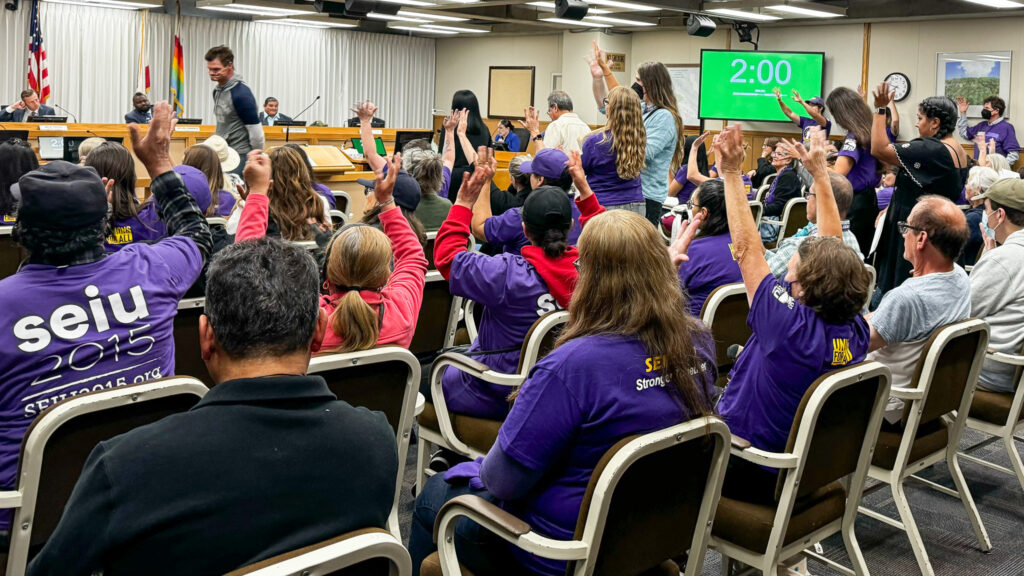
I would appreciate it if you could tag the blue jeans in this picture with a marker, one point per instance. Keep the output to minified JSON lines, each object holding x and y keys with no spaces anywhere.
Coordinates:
{"x":479,"y":550}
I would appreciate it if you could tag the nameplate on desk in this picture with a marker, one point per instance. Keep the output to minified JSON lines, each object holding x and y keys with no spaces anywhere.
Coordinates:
{"x":297,"y":130}
{"x":186,"y":128}
{"x":378,"y":132}
{"x":53,"y":127}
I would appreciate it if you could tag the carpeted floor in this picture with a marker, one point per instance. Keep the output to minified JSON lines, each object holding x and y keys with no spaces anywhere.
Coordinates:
{"x":948,"y":537}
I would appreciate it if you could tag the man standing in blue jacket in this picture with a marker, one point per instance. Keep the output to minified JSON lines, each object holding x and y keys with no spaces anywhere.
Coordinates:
{"x":238,"y":120}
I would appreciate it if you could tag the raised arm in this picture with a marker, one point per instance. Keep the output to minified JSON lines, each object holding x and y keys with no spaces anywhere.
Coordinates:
{"x":587,"y":202}
{"x":409,"y":275}
{"x":253,"y":221}
{"x":961,"y":119}
{"x":746,"y":240}
{"x":811,"y":110}
{"x":793,"y":117}
{"x":532,"y":124}
{"x":692,"y":170}
{"x":880,"y":146}
{"x":482,"y":207}
{"x":365,"y":112}
{"x":467,"y":146}
{"x":453,"y":236}
{"x":603,"y":79}
{"x":983,"y":149}
{"x":451,"y":123}
{"x":815,"y":162}
{"x":894,"y":113}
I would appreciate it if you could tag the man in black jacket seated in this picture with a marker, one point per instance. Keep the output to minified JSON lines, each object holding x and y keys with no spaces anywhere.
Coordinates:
{"x":268,"y":462}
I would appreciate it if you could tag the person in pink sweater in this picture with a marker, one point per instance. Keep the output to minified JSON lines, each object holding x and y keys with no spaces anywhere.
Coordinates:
{"x":369,"y":303}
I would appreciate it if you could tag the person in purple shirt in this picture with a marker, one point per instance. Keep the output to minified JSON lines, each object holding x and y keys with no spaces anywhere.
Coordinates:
{"x":16,"y":159}
{"x":613,"y":156}
{"x":994,"y":126}
{"x":802,"y":329}
{"x":815,"y":108}
{"x":94,"y":320}
{"x":856,"y":162}
{"x":505,"y":231}
{"x":129,"y":221}
{"x":884,"y":193}
{"x":626,"y":363}
{"x":680,"y":186}
{"x":710,"y":263}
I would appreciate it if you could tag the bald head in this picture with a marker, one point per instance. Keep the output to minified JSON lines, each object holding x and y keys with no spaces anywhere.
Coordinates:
{"x":944,"y":223}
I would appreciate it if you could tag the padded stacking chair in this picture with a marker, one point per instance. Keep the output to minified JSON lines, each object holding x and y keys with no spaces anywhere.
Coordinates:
{"x":59,"y":442}
{"x":12,"y":255}
{"x":794,"y":217}
{"x":725,"y":313}
{"x":757,"y":209}
{"x":999,"y":414}
{"x":343,"y":202}
{"x":651,"y":498}
{"x":338,"y":218}
{"x":438,"y":317}
{"x":468,"y":435}
{"x":188,"y":356}
{"x":936,"y":409}
{"x":832,"y":437}
{"x":385,"y":379}
{"x":367,"y":552}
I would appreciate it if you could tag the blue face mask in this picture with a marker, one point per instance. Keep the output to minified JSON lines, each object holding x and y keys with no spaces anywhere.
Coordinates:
{"x":990,"y":232}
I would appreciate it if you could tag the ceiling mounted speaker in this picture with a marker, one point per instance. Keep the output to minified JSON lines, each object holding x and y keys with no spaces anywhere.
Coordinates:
{"x":328,"y":7}
{"x":571,"y":9}
{"x":697,"y":25}
{"x":359,"y":6}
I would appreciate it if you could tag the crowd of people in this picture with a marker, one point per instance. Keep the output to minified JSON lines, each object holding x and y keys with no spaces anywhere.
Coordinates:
{"x":577,"y":230}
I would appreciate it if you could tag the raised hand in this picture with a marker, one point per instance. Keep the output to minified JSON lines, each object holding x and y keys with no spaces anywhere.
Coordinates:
{"x":778,"y":92}
{"x":19,"y":105}
{"x":992,"y":146}
{"x":463,"y":122}
{"x":473,"y":183}
{"x":961,"y":104}
{"x":451,"y":121}
{"x":797,"y":98}
{"x":698,"y":141}
{"x":892,"y":97}
{"x":579,"y":177}
{"x":881,"y":95}
{"x":677,"y":251}
{"x":257,"y":173}
{"x":154,"y":149}
{"x":532,"y":121}
{"x":594,"y":60}
{"x":728,"y":147}
{"x":365,"y":111}
{"x":979,"y":138}
{"x":108,"y":185}
{"x":384,"y":187}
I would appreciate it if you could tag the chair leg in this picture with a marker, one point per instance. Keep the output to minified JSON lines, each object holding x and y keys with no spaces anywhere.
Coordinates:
{"x":422,"y":453}
{"x":965,"y":496}
{"x":853,"y":550}
{"x":903,"y":505}
{"x":1018,"y":467}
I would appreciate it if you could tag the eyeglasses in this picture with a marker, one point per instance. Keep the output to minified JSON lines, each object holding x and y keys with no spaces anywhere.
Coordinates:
{"x":691,"y":206}
{"x":810,"y":195}
{"x":904,"y":228}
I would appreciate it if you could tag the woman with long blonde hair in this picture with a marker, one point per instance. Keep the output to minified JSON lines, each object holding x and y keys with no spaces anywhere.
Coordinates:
{"x":628,"y":362}
{"x":613,"y":156}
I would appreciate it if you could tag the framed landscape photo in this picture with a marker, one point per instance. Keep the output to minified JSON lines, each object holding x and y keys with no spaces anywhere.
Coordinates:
{"x":974,"y":76}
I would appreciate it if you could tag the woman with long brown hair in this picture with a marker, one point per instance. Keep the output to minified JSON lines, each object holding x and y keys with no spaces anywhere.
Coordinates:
{"x":207,"y":161}
{"x":613,"y":156}
{"x":856,"y":162}
{"x":128,"y":222}
{"x":627,"y":362}
{"x":663,"y":155}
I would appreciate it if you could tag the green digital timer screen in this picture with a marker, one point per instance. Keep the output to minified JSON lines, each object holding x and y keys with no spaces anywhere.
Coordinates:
{"x":738,"y":85}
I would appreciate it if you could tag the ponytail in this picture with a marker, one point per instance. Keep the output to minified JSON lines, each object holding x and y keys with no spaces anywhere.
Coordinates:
{"x":554,"y":241}
{"x":356,"y":323}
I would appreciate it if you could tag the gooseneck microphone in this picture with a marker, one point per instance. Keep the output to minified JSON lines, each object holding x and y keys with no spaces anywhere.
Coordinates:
{"x":69,"y":113}
{"x":287,"y":129}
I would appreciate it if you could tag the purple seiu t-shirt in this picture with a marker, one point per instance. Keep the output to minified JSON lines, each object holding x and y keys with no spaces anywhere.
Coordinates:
{"x":514,"y":296}
{"x":225,"y":203}
{"x":688,"y":187}
{"x":889,"y":134}
{"x":884,"y":197}
{"x":770,"y":196}
{"x":1002,"y":132}
{"x":446,"y":181}
{"x":326,"y":193}
{"x":87,"y":327}
{"x":8,"y":220}
{"x":711,"y":265}
{"x":807,"y":123}
{"x":578,"y":402}
{"x":602,"y":176}
{"x":864,"y":174}
{"x":506,"y":230}
{"x":145,"y":228}
{"x":790,"y":348}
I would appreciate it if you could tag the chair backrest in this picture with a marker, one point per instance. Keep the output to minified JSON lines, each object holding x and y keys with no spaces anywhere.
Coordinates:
{"x":188,"y":357}
{"x":871,"y":283}
{"x":652,"y":497}
{"x":428,"y":250}
{"x":757,"y":209}
{"x":948,"y":369}
{"x":438,"y":318}
{"x":385,"y":379}
{"x":11,"y":253}
{"x":793,"y":218}
{"x":836,"y":416}
{"x":60,"y":440}
{"x":342,"y":201}
{"x":540,"y":339}
{"x":216,"y":221}
{"x":473,"y":312}
{"x":725,"y":313}
{"x":310,"y":245}
{"x":338,"y":218}
{"x":367,"y":552}
{"x":524,"y":139}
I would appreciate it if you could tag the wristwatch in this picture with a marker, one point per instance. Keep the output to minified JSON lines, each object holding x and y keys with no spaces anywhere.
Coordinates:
{"x":880,"y":110}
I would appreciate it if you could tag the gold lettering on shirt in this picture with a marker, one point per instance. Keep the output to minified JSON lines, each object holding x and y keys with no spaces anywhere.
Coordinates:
{"x":9,"y":218}
{"x":841,"y":355}
{"x":121,"y":235}
{"x":653,"y":363}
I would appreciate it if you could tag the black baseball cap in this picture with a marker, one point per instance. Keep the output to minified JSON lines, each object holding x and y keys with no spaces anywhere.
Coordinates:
{"x":407,"y":190}
{"x":547,"y":207}
{"x":62,"y":195}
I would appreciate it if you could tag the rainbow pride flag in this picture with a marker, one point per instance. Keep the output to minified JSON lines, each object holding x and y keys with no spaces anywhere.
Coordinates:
{"x":178,"y":69}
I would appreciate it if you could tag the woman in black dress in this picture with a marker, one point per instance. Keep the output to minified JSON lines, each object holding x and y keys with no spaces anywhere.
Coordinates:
{"x":935,"y":163}
{"x":476,"y":132}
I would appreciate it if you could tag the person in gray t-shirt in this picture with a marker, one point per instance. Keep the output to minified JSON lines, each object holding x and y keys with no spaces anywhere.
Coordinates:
{"x":238,"y":120}
{"x":937,"y":294}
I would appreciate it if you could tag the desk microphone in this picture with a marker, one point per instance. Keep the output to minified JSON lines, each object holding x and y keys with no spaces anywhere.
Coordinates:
{"x":287,"y":129}
{"x":63,"y":109}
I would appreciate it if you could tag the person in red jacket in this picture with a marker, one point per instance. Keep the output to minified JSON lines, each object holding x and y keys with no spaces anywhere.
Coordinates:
{"x":369,"y":304}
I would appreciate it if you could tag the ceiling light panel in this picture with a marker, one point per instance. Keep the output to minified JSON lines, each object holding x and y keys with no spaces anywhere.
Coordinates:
{"x":741,"y":15}
{"x":800,"y":11}
{"x":620,"y":21}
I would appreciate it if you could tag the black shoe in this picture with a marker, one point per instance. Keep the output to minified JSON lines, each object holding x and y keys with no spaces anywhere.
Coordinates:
{"x":440,"y":461}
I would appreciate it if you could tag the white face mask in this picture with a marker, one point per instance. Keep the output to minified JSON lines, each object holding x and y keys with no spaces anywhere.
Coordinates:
{"x":990,"y":232}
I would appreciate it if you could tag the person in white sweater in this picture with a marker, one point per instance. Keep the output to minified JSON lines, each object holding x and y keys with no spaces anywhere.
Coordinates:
{"x":997,"y":281}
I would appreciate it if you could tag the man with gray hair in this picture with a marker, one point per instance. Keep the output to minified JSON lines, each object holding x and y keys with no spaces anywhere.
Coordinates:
{"x":566,"y":128}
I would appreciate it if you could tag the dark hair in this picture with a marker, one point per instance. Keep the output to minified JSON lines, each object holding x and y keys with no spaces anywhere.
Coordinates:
{"x":711,"y":195}
{"x":305,"y":159}
{"x":204,"y":159}
{"x":221,"y":53}
{"x":842,"y":190}
{"x":372,"y":217}
{"x":16,"y":160}
{"x":942,"y":108}
{"x":269,"y":100}
{"x":27,"y":93}
{"x":466,"y":99}
{"x":564,"y":181}
{"x":553,"y":241}
{"x":137,"y":94}
{"x":940,"y":222}
{"x":114,"y":161}
{"x":58,"y":247}
{"x":997,"y":103}
{"x":281,"y":316}
{"x":506,"y":123}
{"x":702,"y":155}
{"x":1016,"y":217}
{"x":834,"y":279}
{"x":852,"y":113}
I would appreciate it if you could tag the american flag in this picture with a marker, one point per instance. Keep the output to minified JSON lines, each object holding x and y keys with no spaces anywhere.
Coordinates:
{"x":38,"y":76}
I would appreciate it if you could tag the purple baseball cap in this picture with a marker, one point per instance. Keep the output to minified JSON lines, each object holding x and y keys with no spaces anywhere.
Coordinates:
{"x":816,"y":101}
{"x":196,"y":184}
{"x":548,"y":163}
